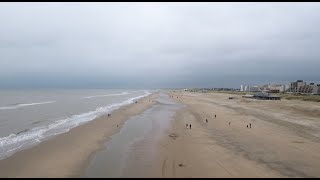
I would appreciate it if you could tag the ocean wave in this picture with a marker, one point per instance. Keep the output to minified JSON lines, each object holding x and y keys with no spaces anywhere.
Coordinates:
{"x":104,"y":95}
{"x":14,"y":142}
{"x":23,"y":131}
{"x":19,"y":105}
{"x":36,"y":122}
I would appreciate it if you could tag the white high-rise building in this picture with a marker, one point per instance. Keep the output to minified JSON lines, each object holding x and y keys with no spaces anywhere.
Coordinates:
{"x":241,"y":88}
{"x":282,"y":88}
{"x":286,"y":87}
{"x":246,"y":88}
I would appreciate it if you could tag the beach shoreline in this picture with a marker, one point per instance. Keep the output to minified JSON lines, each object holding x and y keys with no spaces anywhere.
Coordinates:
{"x":67,"y":154}
{"x":283,"y":140}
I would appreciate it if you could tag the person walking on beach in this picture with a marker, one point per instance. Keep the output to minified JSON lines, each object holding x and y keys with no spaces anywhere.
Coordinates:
{"x":187,"y":125}
{"x":247,"y":125}
{"x":215,"y":115}
{"x":206,"y":120}
{"x":250,"y":125}
{"x":190,"y":126}
{"x":229,"y":123}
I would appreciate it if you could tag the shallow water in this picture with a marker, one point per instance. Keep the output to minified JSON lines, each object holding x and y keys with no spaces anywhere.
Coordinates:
{"x":111,"y":161}
{"x":29,"y":117}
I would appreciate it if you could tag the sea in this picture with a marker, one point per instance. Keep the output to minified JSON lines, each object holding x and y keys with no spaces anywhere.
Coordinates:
{"x":28,"y":117}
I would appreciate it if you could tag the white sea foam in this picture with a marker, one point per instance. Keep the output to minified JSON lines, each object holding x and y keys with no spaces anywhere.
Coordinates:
{"x":15,"y":142}
{"x":25,"y":104}
{"x":105,"y":95}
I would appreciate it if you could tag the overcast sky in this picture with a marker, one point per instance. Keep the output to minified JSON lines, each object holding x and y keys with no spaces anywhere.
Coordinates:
{"x":132,"y":45}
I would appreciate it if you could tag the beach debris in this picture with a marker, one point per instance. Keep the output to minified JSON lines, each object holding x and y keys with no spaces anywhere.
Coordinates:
{"x":181,"y":165}
{"x":173,"y":135}
{"x":229,"y":123}
{"x":109,"y":115}
{"x":136,"y":102}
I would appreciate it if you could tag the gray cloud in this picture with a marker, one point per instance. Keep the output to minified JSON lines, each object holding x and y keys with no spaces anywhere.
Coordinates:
{"x":157,"y":44}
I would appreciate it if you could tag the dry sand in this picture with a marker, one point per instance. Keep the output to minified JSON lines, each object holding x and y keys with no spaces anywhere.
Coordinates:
{"x":283,"y":141}
{"x":67,"y":155}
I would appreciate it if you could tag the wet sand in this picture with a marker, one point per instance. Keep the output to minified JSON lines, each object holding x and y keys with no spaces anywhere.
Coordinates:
{"x":127,"y":153}
{"x":68,"y":154}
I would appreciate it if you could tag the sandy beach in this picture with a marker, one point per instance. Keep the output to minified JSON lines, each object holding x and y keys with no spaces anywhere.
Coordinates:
{"x":283,"y":141}
{"x":68,"y":154}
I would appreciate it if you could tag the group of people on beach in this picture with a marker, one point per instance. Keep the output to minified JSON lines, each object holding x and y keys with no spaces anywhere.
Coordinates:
{"x":188,"y":125}
{"x":215,"y":116}
{"x":248,"y":126}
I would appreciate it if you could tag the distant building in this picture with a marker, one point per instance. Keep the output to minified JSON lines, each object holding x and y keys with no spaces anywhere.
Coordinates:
{"x":241,"y":88}
{"x":304,"y":88}
{"x":263,"y":88}
{"x":316,"y":89}
{"x":246,"y":88}
{"x":276,"y":88}
{"x":296,"y":87}
{"x":307,"y":89}
{"x":286,"y":87}
{"x":282,"y":88}
{"x":254,"y":89}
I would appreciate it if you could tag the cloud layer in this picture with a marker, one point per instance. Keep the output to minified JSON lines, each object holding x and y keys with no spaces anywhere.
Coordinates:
{"x":111,"y":45}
